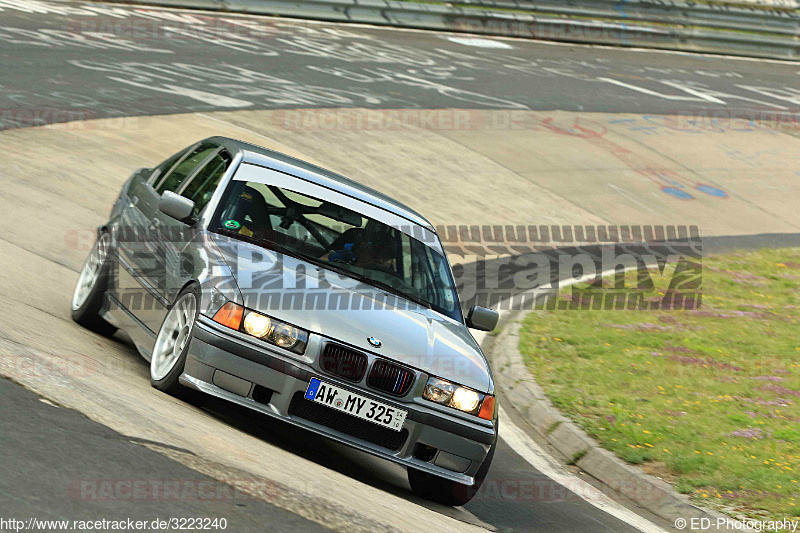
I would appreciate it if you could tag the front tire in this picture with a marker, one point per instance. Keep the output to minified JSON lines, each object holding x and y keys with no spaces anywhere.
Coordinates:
{"x":172,"y":343}
{"x":172,"y":346}
{"x":448,"y":492}
{"x":87,"y":299}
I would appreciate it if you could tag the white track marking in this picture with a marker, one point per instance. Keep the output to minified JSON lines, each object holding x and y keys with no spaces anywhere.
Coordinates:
{"x":541,"y":461}
{"x":788,"y":94}
{"x":630,"y":197}
{"x":653,"y":93}
{"x":479,"y":42}
{"x":694,"y":92}
{"x":202,"y":96}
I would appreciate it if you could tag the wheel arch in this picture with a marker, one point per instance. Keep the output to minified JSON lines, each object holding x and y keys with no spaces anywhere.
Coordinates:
{"x":185,"y":286}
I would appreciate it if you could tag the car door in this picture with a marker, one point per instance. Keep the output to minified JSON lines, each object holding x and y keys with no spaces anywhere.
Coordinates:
{"x":133,"y":246}
{"x":177,"y":238}
{"x":144,"y":254}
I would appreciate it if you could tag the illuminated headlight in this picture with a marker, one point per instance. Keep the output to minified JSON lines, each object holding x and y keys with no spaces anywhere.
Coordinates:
{"x":257,"y":325}
{"x":264,"y":327}
{"x":452,"y":395}
{"x":465,"y":399}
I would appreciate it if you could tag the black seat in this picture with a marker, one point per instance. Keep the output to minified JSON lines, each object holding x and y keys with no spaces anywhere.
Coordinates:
{"x":352,"y":235}
{"x":249,"y":203}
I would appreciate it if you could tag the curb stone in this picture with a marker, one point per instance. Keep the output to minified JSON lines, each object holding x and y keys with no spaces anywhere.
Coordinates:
{"x":574,"y":445}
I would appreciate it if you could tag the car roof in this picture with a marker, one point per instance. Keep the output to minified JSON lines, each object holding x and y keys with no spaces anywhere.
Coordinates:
{"x":304,"y":170}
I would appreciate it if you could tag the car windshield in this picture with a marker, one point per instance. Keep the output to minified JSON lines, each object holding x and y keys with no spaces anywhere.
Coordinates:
{"x":341,"y":239}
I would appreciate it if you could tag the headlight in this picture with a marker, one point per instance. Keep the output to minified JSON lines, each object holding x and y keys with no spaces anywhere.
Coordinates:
{"x":285,"y":335}
{"x":439,"y":390}
{"x":465,"y":399}
{"x":262,"y":326}
{"x":257,"y":324}
{"x":461,"y":398}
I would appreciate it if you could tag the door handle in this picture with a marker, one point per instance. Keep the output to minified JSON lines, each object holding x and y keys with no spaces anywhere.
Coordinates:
{"x":133,"y":201}
{"x":155,"y":223}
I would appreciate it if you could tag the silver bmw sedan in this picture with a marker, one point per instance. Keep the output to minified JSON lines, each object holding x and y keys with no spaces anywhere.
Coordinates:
{"x":258,"y":278}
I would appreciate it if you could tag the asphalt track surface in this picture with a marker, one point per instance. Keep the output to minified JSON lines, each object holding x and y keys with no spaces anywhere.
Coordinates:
{"x":82,"y":61}
{"x":61,"y":451}
{"x":99,"y":61}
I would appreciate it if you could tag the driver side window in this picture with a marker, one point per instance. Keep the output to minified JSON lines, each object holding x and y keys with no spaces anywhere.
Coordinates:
{"x":173,"y":180}
{"x":202,"y":187}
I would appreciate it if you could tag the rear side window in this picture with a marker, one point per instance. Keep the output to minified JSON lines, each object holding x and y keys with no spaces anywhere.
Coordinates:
{"x":205,"y":182}
{"x":173,"y":180}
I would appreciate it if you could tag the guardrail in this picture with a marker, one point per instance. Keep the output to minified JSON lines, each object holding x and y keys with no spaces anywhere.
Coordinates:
{"x":752,"y":17}
{"x":756,"y":29}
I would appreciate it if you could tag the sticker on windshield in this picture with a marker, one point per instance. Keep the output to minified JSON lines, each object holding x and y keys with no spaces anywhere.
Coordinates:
{"x":232,"y":224}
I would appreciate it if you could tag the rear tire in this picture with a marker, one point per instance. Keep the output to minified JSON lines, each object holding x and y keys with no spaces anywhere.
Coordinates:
{"x":87,"y":299}
{"x":172,"y":345}
{"x":444,"y":491}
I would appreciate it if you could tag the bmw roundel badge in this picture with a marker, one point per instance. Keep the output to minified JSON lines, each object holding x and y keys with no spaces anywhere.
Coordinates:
{"x":375,"y":342}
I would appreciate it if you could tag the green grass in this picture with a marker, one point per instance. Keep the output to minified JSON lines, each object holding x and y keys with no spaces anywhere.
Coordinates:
{"x":707,"y":399}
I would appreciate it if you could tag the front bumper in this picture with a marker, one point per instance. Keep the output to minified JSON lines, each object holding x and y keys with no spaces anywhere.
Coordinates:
{"x":224,"y":366}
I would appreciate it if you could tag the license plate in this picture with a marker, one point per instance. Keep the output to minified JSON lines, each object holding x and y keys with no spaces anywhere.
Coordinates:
{"x":354,"y":404}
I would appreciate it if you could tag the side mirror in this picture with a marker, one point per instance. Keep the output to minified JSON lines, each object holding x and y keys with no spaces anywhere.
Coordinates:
{"x":482,"y":318}
{"x":175,"y":206}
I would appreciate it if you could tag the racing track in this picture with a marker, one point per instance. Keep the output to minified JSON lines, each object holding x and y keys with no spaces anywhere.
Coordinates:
{"x":507,"y":156}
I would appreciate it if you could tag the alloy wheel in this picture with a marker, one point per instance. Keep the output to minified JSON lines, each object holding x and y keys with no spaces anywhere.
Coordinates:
{"x":174,"y":336}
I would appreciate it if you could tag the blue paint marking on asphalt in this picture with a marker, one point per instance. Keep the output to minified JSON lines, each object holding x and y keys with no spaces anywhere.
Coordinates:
{"x":713,"y":191}
{"x":677,"y":193}
{"x":313,"y":387}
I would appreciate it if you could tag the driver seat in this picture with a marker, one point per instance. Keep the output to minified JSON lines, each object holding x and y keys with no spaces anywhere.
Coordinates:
{"x":250,"y":204}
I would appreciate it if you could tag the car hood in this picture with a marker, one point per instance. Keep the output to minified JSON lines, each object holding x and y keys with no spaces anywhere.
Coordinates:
{"x":343,"y":309}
